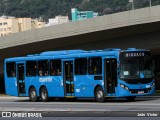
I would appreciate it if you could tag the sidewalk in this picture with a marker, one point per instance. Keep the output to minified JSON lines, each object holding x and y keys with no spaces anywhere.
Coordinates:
{"x":4,"y":96}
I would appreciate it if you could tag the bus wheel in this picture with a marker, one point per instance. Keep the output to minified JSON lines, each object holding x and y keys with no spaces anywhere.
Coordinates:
{"x":99,"y":95}
{"x":33,"y":95}
{"x":130,"y":99}
{"x":44,"y":94}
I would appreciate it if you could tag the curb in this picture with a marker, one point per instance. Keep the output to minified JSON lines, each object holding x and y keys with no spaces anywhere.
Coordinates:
{"x":15,"y":98}
{"x":4,"y":96}
{"x":148,"y":96}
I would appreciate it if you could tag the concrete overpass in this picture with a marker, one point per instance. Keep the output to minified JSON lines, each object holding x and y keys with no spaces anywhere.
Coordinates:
{"x":138,"y":28}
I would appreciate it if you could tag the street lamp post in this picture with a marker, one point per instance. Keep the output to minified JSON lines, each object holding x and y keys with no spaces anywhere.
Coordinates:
{"x":150,"y":3}
{"x":132,"y":1}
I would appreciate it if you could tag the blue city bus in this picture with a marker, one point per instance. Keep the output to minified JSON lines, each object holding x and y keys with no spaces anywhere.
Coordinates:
{"x":95,"y":74}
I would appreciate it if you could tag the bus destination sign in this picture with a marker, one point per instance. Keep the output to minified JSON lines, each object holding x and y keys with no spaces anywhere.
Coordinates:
{"x":135,"y":54}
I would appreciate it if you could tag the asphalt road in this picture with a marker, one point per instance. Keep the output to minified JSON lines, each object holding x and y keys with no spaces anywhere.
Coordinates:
{"x":23,"y":104}
{"x":142,"y":107}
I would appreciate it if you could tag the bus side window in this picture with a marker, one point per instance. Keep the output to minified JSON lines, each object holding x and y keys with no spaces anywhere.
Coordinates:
{"x":55,"y":67}
{"x":11,"y":69}
{"x":43,"y":68}
{"x":81,"y":66}
{"x":31,"y":68}
{"x":95,"y":66}
{"x":40,"y":73}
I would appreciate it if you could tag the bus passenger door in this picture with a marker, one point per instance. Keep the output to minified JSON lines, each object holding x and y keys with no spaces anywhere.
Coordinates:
{"x":21,"y":79}
{"x":68,"y":78}
{"x":110,"y":79}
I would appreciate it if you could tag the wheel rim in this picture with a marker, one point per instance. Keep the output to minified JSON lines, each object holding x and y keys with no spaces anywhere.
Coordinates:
{"x":44,"y":94}
{"x":33,"y":94}
{"x":99,"y":94}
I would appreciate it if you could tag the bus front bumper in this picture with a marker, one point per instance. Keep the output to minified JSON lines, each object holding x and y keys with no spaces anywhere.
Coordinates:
{"x":124,"y":91}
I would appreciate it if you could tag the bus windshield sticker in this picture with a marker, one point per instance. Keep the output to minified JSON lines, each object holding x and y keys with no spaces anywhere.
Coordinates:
{"x":126,"y":73}
{"x":141,"y":75}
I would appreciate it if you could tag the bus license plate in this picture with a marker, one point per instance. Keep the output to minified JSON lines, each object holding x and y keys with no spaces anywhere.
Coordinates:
{"x":140,"y":92}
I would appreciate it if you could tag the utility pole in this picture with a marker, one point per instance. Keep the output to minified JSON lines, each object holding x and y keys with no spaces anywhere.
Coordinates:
{"x":132,"y":1}
{"x":150,"y":3}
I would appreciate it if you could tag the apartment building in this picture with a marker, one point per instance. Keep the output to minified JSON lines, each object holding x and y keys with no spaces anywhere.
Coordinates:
{"x":35,"y":23}
{"x":81,"y":15}
{"x":10,"y":25}
{"x":58,"y":20}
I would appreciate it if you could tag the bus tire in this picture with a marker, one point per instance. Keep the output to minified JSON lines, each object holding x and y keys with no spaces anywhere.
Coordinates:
{"x":99,"y":94}
{"x":44,"y":94}
{"x":33,"y":95}
{"x":130,"y":99}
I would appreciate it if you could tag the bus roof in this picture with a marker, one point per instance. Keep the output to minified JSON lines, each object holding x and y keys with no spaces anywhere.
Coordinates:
{"x":72,"y":54}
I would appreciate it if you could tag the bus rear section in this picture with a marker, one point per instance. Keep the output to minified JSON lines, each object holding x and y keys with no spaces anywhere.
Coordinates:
{"x":14,"y":78}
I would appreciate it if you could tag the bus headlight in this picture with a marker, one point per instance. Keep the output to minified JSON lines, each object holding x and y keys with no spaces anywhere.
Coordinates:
{"x":124,"y":87}
{"x":153,"y":84}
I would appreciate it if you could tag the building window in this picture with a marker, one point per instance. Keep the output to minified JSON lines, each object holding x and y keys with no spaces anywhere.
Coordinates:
{"x":0,"y":24}
{"x":9,"y":28}
{"x":11,"y":69}
{"x":81,"y":66}
{"x":9,"y":33}
{"x":5,"y":23}
{"x":55,"y":67}
{"x":95,"y":66}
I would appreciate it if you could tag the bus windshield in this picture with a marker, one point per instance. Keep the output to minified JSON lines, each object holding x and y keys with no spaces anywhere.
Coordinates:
{"x":136,"y":68}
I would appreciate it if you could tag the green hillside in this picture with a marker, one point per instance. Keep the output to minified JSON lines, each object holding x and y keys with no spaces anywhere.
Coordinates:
{"x":51,"y":8}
